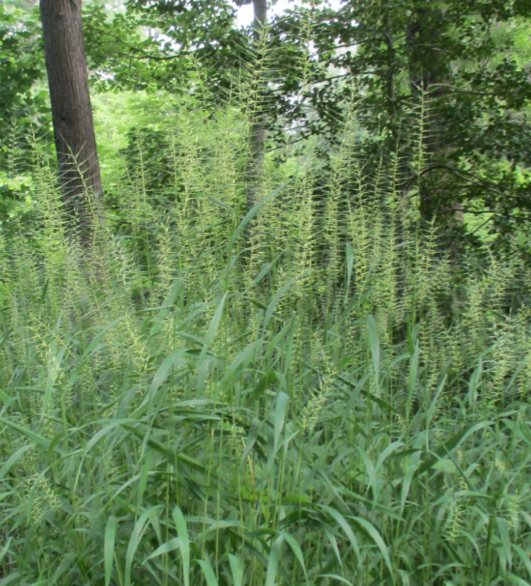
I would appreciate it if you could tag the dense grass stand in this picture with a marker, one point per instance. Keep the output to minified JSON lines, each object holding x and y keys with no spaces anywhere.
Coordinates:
{"x":336,"y":401}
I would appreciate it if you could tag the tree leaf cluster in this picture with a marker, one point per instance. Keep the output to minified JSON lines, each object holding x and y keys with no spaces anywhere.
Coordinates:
{"x":452,"y":73}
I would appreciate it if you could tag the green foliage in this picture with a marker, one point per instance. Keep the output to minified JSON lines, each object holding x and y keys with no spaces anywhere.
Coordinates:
{"x":184,"y":38}
{"x":461,"y":60}
{"x":23,"y":106}
{"x":20,"y":59}
{"x":464,"y":64}
{"x":321,"y":390}
{"x":332,"y":398}
{"x":137,"y":109}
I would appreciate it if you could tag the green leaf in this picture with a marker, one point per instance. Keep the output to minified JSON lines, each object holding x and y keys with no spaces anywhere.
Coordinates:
{"x":342,"y":522}
{"x":166,"y":306}
{"x":413,"y":373}
{"x":34,"y":437}
{"x":236,"y":568}
{"x":108,"y":547}
{"x":170,"y":545}
{"x":242,"y":356}
{"x":505,"y":540}
{"x":13,"y":459}
{"x":275,"y":300}
{"x":163,"y":450}
{"x":381,"y":459}
{"x":174,"y":360}
{"x":265,"y":269}
{"x":182,"y":532}
{"x":65,"y":564}
{"x":212,"y":329}
{"x":335,"y":577}
{"x":450,"y":445}
{"x":272,"y":563}
{"x":296,"y":548}
{"x":375,"y":346}
{"x":252,"y":213}
{"x":377,"y":538}
{"x":102,"y":432}
{"x":206,"y":566}
{"x":11,"y":578}
{"x":5,"y":549}
{"x":97,"y":339}
{"x":53,"y":368}
{"x":280,"y":414}
{"x":524,"y":557}
{"x":136,"y":536}
{"x":350,"y":263}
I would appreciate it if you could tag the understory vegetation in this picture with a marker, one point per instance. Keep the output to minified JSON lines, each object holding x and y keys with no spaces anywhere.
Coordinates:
{"x":313,"y":392}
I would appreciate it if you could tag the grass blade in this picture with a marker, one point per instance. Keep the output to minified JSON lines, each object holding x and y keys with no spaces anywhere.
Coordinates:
{"x":252,"y":213}
{"x":212,"y":329}
{"x":377,"y":538}
{"x":272,"y":564}
{"x":182,"y":532}
{"x":136,"y":536}
{"x":108,"y":547}
{"x":236,"y":568}
{"x":210,"y":577}
{"x":170,"y":545}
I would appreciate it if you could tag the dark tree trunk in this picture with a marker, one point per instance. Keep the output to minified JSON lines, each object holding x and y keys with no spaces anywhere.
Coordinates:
{"x":429,"y":72}
{"x":260,"y":18}
{"x":257,"y":138}
{"x":73,"y":125}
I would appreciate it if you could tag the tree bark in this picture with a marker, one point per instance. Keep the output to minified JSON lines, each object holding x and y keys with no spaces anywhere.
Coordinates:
{"x":260,"y":18}
{"x":73,"y":125}
{"x":430,"y":75}
{"x":257,"y":138}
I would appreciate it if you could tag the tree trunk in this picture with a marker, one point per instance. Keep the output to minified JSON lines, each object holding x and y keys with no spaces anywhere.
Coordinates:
{"x":430,"y":75}
{"x":75,"y":141}
{"x":257,"y":138}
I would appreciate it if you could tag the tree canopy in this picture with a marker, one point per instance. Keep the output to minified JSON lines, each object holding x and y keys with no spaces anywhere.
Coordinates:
{"x":455,"y":71}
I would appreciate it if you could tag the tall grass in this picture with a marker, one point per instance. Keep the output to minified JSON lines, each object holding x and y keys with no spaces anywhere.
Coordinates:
{"x":329,"y":399}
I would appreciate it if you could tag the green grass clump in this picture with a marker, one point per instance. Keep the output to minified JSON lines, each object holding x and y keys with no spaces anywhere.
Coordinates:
{"x":328,"y":398}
